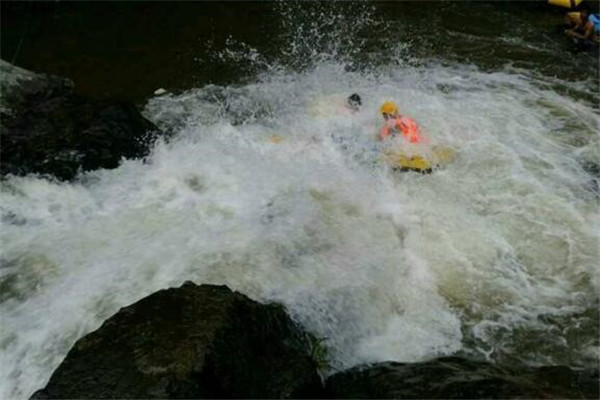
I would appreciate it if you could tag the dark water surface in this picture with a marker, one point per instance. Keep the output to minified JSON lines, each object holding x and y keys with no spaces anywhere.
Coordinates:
{"x":129,"y":49}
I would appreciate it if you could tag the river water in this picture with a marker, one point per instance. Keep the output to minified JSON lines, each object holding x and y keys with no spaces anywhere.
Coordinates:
{"x":270,"y":186}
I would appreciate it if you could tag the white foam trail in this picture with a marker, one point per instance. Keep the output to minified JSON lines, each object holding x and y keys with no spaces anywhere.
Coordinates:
{"x":385,"y":267}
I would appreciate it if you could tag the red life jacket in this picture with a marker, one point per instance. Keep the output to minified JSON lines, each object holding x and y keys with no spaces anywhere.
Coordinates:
{"x":405,"y":125}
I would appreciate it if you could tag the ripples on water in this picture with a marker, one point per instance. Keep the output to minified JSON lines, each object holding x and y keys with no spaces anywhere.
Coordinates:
{"x":494,"y":255}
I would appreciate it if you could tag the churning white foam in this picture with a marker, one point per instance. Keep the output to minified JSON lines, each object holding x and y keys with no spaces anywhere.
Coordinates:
{"x":282,"y":195}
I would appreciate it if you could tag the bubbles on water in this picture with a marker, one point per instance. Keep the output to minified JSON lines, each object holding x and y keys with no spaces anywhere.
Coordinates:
{"x":319,"y":31}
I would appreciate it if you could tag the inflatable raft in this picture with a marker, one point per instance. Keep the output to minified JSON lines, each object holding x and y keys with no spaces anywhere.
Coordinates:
{"x":565,"y":3}
{"x":424,"y":162}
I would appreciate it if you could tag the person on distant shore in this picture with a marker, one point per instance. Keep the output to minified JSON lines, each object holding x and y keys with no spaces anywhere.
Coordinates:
{"x":586,"y":29}
{"x":397,"y":124}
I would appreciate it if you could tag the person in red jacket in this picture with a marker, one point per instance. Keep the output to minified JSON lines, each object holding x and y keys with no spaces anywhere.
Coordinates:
{"x":398,"y":124}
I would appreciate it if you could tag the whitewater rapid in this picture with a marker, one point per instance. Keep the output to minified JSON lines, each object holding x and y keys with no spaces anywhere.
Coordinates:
{"x":496,"y":254}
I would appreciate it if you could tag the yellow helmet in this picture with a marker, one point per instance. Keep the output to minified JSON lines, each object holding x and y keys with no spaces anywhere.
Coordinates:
{"x":389,"y":107}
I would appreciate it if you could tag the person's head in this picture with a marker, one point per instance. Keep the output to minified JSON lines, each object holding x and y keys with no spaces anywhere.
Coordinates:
{"x":354,"y":102}
{"x":389,"y":109}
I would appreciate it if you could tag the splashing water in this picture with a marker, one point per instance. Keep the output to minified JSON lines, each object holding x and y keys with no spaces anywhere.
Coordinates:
{"x":494,"y":255}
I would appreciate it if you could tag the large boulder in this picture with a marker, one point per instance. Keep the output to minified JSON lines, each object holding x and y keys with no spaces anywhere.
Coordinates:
{"x":460,"y":378}
{"x":190,"y":342}
{"x":47,"y":128}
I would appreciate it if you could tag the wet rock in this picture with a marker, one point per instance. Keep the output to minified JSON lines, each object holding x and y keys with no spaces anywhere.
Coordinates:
{"x":190,"y":342}
{"x":18,"y":85}
{"x":459,"y":378}
{"x":47,"y":128}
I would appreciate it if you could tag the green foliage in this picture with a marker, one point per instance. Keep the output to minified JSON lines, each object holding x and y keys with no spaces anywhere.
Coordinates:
{"x":319,"y":353}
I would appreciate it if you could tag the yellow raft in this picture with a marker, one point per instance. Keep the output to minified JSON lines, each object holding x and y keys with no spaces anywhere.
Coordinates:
{"x":436,"y":157}
{"x":275,"y":139}
{"x":565,"y":3}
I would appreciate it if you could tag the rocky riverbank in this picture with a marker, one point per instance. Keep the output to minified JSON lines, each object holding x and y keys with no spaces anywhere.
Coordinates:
{"x":209,"y":342}
{"x":48,"y":128}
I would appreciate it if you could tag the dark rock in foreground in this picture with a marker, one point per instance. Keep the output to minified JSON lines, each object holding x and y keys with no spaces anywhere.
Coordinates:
{"x":47,"y":128}
{"x":459,"y":378}
{"x":209,"y":342}
{"x":191,"y":342}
